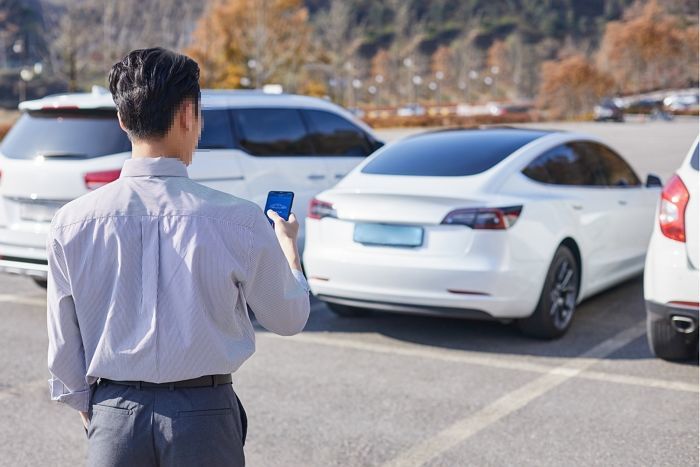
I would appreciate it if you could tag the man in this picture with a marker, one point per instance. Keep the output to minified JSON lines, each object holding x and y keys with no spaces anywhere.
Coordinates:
{"x":150,"y":279}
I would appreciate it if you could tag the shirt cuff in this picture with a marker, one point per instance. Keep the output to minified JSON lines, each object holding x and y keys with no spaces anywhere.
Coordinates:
{"x":299,"y":276}
{"x":79,"y":400}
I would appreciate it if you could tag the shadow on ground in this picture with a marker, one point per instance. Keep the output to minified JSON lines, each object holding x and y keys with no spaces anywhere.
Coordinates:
{"x":598,"y":318}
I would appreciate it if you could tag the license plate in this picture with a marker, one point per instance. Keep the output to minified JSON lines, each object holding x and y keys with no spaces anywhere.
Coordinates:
{"x":389,"y":235}
{"x":38,"y":212}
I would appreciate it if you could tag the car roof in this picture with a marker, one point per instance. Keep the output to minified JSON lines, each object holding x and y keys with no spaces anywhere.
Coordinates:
{"x":477,"y":134}
{"x":100,"y":98}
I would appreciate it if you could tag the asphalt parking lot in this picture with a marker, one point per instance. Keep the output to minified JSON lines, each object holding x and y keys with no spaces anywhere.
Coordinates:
{"x":394,"y":390}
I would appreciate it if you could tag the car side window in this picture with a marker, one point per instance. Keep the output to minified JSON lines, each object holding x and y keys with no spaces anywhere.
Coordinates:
{"x":567,"y":164}
{"x":272,"y":132}
{"x":333,"y":135}
{"x":216,"y":130}
{"x":617,"y":172}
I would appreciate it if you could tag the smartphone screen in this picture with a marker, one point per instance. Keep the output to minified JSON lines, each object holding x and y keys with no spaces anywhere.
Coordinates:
{"x":280,"y":202}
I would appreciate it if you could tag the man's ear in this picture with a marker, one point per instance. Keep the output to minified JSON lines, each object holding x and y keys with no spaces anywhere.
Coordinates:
{"x":121,"y":124}
{"x":188,"y":119}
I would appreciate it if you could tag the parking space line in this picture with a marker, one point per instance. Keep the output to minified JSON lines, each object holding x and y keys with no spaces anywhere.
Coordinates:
{"x":456,"y":356}
{"x":467,"y":427}
{"x":640,"y":381}
{"x":22,"y":299}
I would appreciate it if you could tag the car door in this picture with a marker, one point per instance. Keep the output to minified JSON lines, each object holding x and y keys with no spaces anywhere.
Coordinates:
{"x":216,"y":162}
{"x":634,"y":205}
{"x":574,"y":178}
{"x":340,"y":142}
{"x":278,"y":155}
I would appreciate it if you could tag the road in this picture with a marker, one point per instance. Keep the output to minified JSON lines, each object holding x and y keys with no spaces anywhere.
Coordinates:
{"x":393,"y":390}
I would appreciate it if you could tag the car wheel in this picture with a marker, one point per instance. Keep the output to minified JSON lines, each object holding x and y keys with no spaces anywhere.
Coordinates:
{"x":667,"y":343}
{"x":555,"y":309}
{"x":40,"y":282}
{"x":347,"y":311}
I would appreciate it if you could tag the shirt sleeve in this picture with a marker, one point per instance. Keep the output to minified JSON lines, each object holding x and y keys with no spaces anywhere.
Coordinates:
{"x":277,"y":295}
{"x":66,"y":356}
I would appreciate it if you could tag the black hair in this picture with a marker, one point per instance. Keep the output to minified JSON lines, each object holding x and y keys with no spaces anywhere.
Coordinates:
{"x":148,"y":85}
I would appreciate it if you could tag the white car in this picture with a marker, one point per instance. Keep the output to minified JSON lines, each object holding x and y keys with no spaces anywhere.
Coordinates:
{"x":497,"y":223}
{"x":252,"y":143}
{"x":671,"y":272}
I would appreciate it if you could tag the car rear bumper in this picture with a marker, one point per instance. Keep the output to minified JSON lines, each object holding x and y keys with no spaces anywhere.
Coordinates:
{"x":403,"y":308}
{"x":26,"y":260}
{"x":684,"y":319}
{"x":436,"y":286}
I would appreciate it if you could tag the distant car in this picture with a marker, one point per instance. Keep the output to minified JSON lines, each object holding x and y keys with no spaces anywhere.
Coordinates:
{"x":410,"y":110}
{"x":681,"y":102}
{"x":644,"y":105}
{"x":64,"y":146}
{"x":608,"y":110}
{"x":494,"y":224}
{"x":499,"y":109}
{"x":671,"y":273}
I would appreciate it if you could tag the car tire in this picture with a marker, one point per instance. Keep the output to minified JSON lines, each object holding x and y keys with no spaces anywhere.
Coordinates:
{"x":667,"y":343}
{"x":555,"y":309}
{"x":347,"y":311}
{"x":40,"y":282}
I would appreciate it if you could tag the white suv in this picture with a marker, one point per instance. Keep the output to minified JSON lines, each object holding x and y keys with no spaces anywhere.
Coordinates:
{"x":66,"y":145}
{"x":671,"y":272}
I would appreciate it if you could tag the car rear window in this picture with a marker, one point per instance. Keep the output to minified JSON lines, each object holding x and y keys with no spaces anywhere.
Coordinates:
{"x":72,"y":134}
{"x":694,"y":159}
{"x":449,"y":153}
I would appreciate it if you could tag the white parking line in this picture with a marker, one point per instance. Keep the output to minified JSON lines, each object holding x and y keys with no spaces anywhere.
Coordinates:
{"x":467,"y":427}
{"x":23,"y":300}
{"x":458,"y":356}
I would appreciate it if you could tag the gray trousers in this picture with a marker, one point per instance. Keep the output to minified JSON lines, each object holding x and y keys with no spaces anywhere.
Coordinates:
{"x":182,"y":427}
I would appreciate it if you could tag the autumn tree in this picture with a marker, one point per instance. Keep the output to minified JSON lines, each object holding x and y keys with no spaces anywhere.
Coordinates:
{"x":252,"y":42}
{"x":571,"y":87}
{"x":648,"y":51}
{"x":338,"y":38}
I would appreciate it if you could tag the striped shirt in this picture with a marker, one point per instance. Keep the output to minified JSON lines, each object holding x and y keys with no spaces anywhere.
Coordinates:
{"x":150,"y":279}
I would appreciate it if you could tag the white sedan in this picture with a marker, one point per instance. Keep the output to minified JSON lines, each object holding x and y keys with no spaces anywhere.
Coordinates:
{"x":497,"y":223}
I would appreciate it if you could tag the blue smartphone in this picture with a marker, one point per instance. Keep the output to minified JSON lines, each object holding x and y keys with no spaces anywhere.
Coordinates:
{"x":280,"y":202}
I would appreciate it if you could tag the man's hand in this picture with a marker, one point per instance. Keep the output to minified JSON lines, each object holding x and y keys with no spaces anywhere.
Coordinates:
{"x":287,"y":232}
{"x":84,"y":417}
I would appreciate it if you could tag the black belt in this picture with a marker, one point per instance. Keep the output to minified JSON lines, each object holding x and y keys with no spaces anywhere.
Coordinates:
{"x":201,"y":382}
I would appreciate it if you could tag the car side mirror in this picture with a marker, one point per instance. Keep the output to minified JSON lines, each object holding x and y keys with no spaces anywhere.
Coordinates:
{"x":654,"y":181}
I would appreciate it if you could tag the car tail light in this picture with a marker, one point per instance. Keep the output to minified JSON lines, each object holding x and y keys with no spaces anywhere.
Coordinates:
{"x":320,"y":209}
{"x":674,"y":200}
{"x":484,"y":218}
{"x":95,"y":180}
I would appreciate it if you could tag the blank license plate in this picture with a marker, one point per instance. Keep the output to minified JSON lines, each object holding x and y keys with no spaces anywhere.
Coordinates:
{"x":38,"y":212}
{"x":388,"y":235}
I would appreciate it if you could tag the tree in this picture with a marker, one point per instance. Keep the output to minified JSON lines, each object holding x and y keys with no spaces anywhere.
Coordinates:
{"x":338,"y":39}
{"x":647,"y":51}
{"x":571,"y":87}
{"x":263,"y":41}
{"x":89,"y":36}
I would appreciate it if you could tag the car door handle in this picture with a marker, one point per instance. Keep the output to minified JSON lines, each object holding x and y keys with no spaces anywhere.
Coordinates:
{"x":316,"y":177}
{"x":339,"y":175}
{"x":622,"y":202}
{"x":577,"y":207}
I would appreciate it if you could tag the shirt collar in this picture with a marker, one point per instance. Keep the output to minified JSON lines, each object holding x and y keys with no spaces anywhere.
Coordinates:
{"x":154,"y":167}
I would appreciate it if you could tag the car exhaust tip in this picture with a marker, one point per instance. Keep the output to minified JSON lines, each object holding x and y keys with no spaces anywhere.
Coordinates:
{"x":683,"y":324}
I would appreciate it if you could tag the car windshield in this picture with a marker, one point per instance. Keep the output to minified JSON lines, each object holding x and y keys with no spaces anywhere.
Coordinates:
{"x":694,"y":158}
{"x":65,"y":133}
{"x":449,"y":153}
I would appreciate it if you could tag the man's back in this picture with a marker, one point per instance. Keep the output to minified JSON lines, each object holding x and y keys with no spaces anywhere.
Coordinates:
{"x":160,"y":268}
